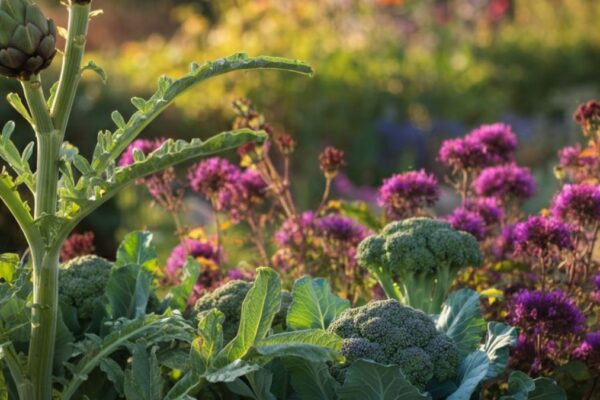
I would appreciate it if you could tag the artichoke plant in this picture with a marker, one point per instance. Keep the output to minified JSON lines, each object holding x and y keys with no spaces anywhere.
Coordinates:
{"x":27,"y":39}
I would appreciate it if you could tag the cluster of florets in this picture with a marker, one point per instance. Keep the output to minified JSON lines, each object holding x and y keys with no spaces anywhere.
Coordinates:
{"x":389,"y":333}
{"x":548,"y":322}
{"x":468,"y":221}
{"x":541,"y":236}
{"x":505,"y":182}
{"x":485,"y":146}
{"x":293,"y":231}
{"x":408,"y":194}
{"x":77,"y":245}
{"x":578,"y":165}
{"x":82,"y":282}
{"x":204,"y":252}
{"x":228,"y":299}
{"x":226,"y":186}
{"x":142,"y":146}
{"x":422,"y":255}
{"x":331,"y":160}
{"x":339,"y":235}
{"x":578,"y":203}
{"x":588,"y":116}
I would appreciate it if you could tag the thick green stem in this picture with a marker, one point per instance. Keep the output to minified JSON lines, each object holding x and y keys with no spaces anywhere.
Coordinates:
{"x":43,"y":324}
{"x":79,"y":16}
{"x":45,"y":259}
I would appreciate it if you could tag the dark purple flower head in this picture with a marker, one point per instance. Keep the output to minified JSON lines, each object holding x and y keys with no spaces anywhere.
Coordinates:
{"x":293,"y":232}
{"x":253,"y":185}
{"x":550,"y":314}
{"x":218,"y":180}
{"x":588,"y":116}
{"x":541,"y":236}
{"x":589,"y":350}
{"x":489,"y":208}
{"x":578,"y":203}
{"x":498,"y":140}
{"x":468,"y":221}
{"x":146,"y":146}
{"x":505,"y":182}
{"x":77,"y":245}
{"x":339,"y":228}
{"x":190,"y":247}
{"x":404,"y":194}
{"x":463,"y":154}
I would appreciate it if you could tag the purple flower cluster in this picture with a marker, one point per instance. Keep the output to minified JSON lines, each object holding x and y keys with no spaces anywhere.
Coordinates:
{"x":578,"y":203}
{"x":405,"y":194}
{"x":485,"y":146}
{"x":292,"y":232}
{"x":489,"y":208}
{"x":198,"y":249}
{"x":468,"y":221}
{"x":550,"y":314}
{"x":541,"y":236}
{"x":504,"y":245}
{"x":341,"y":229}
{"x":505,"y":182}
{"x":227,"y":186}
{"x":589,"y":350}
{"x":146,"y":146}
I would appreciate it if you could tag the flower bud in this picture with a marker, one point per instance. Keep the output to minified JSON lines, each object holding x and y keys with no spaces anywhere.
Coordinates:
{"x":330,"y":161}
{"x":27,"y":39}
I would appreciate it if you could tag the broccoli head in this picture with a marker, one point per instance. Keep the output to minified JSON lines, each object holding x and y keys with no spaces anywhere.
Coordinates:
{"x":228,"y":299}
{"x":82,"y":282}
{"x":417,"y":259}
{"x":388,"y":332}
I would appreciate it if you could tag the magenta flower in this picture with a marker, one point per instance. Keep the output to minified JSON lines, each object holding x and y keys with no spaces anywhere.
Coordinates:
{"x":550,"y":314}
{"x":578,"y":203}
{"x":589,"y":350}
{"x":505,"y":182}
{"x":218,"y":180}
{"x":193,"y":248}
{"x":468,"y":221}
{"x":293,"y":232}
{"x":463,"y":154}
{"x":489,"y":208}
{"x":146,"y":146}
{"x":504,"y":245}
{"x":403,"y":195}
{"x":541,"y":236}
{"x":498,"y":140}
{"x":339,"y":228}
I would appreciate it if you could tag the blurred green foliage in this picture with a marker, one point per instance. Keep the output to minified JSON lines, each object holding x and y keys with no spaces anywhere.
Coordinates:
{"x":403,"y":62}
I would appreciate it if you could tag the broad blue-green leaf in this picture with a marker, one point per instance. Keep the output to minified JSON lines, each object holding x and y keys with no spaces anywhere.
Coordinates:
{"x":210,"y":341}
{"x":261,"y":304}
{"x":258,"y":387}
{"x":128,"y":291}
{"x":473,"y":369}
{"x":461,"y":320}
{"x":114,"y":373}
{"x":500,"y":338}
{"x":313,"y":304}
{"x":523,"y":387}
{"x":312,"y":344}
{"x":188,"y":278}
{"x":137,"y":248}
{"x":143,"y":380}
{"x":123,"y":333}
{"x":311,"y":380}
{"x":231,"y":371}
{"x":368,"y":380}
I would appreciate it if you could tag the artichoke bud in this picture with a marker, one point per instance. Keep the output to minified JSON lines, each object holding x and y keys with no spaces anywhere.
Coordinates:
{"x":27,"y":39}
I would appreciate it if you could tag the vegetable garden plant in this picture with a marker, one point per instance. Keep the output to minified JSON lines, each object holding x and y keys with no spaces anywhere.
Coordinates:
{"x":97,"y":329}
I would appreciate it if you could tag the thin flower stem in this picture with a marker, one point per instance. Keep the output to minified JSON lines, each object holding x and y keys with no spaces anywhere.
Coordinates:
{"x":326,"y":192}
{"x":257,"y":237}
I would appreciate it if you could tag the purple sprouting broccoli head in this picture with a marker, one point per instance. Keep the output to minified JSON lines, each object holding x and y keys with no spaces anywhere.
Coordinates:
{"x":498,"y":140}
{"x":541,"y":236}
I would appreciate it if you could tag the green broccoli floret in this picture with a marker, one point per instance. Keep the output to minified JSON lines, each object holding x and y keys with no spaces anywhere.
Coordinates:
{"x":388,"y":332}
{"x":229,"y":298}
{"x":417,"y":259}
{"x":81,"y":284}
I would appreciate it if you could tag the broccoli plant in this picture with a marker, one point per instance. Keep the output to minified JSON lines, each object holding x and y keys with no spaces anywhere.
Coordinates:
{"x":417,"y":259}
{"x":66,"y":186}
